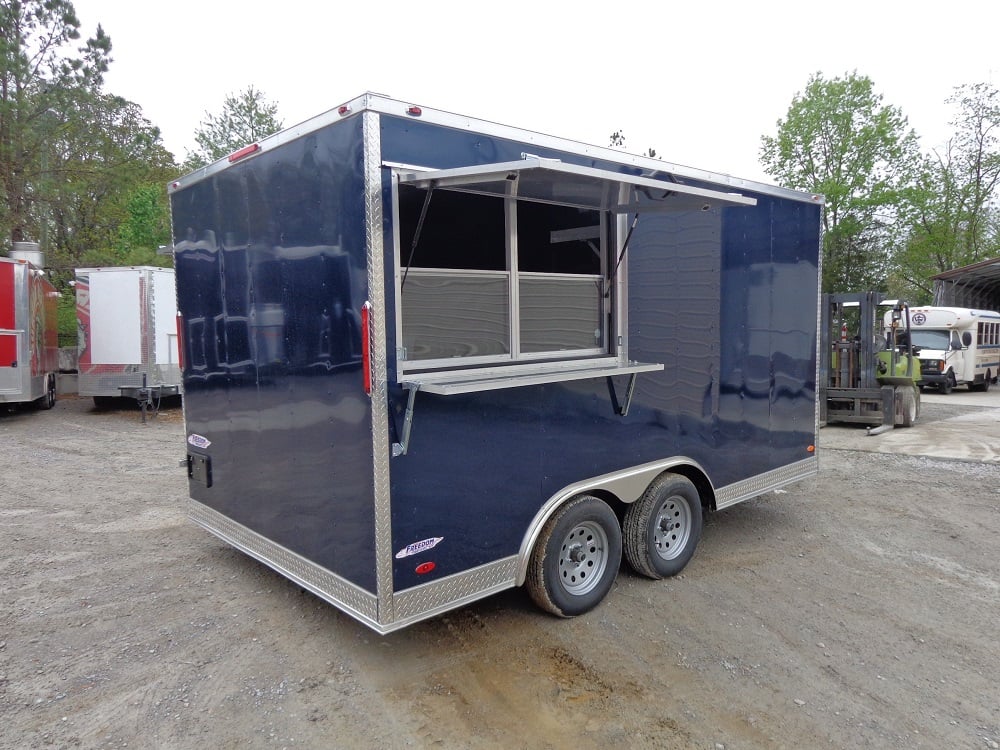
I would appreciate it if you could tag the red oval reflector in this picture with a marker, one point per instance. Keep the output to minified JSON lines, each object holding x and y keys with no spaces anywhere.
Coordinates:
{"x":414,"y":111}
{"x":366,"y":346}
{"x":180,"y":341}
{"x":426,"y":567}
{"x":343,"y":109}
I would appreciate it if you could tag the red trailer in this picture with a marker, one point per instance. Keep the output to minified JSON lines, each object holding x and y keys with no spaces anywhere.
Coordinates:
{"x":29,"y":343}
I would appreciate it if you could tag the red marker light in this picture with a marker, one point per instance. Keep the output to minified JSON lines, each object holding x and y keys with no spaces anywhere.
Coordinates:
{"x":180,"y":341}
{"x":366,"y":346}
{"x":244,"y":152}
{"x":414,"y":111}
{"x":426,"y":567}
{"x":343,"y":109}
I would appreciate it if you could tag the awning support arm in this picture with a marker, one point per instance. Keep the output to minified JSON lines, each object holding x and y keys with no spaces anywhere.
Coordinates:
{"x":622,"y":409}
{"x":621,"y":255}
{"x":400,"y":448}
{"x":416,"y":233}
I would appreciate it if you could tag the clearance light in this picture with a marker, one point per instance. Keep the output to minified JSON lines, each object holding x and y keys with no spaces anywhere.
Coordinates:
{"x":244,"y":152}
{"x":414,"y":111}
{"x":343,"y":109}
{"x":811,"y":449}
{"x":366,"y":346}
{"x":426,"y":567}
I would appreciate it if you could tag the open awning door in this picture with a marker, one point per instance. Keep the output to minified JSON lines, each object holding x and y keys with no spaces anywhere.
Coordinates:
{"x":556,"y":182}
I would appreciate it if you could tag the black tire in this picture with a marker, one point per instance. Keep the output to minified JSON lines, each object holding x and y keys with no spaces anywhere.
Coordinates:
{"x":103,"y":403}
{"x":947,"y":384}
{"x":663,"y":527}
{"x":576,"y":557}
{"x":907,"y":406}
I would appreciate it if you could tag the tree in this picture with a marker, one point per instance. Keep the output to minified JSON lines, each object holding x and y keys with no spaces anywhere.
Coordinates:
{"x":109,"y":152}
{"x":246,"y":117}
{"x":40,"y":84}
{"x":953,"y":211}
{"x":840,"y":140}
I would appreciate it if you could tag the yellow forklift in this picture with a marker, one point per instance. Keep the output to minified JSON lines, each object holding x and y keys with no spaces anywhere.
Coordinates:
{"x":868,"y":366}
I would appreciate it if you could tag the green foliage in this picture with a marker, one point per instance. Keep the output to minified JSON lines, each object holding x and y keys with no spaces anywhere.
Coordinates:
{"x":840,"y":140}
{"x":66,"y":318}
{"x":41,"y":85}
{"x":952,"y":212}
{"x":96,"y":173}
{"x":146,"y":226}
{"x":245,"y":118}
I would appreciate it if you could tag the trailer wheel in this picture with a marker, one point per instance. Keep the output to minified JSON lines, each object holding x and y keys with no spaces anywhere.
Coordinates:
{"x":907,"y":406}
{"x":576,"y":558}
{"x":663,"y":527}
{"x":49,"y":399}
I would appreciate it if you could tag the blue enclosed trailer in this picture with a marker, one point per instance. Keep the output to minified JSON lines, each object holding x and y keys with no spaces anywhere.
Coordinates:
{"x":427,"y":358}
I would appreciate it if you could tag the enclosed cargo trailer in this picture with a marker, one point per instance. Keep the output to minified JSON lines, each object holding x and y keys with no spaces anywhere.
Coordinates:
{"x":427,"y":358}
{"x":127,"y":332}
{"x":29,"y":334}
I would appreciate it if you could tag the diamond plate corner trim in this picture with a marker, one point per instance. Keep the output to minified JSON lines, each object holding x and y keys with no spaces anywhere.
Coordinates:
{"x":434,"y":598}
{"x":761,"y":483}
{"x":818,"y":389}
{"x":380,"y":407}
{"x":352,"y":599}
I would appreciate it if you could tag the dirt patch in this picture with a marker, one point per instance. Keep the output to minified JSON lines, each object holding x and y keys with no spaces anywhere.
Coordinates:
{"x":857,"y":609}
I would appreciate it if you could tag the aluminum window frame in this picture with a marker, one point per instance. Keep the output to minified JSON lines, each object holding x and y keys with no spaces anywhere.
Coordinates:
{"x":603,"y":356}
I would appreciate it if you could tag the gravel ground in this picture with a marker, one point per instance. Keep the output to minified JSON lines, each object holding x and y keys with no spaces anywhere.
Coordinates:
{"x":858,"y":609}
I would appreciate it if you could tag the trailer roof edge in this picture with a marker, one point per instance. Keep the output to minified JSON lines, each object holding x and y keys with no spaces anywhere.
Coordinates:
{"x":382,"y":104}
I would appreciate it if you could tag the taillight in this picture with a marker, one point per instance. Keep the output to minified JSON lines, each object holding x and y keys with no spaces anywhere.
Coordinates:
{"x":180,"y":341}
{"x":366,"y":346}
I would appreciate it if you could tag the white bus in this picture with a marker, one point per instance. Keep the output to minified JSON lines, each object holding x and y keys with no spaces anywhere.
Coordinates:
{"x":956,"y":346}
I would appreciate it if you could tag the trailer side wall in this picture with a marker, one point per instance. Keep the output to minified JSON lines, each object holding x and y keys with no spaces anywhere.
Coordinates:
{"x":725,"y":298}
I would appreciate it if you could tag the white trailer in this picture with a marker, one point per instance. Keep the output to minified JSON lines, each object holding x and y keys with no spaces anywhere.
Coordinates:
{"x":29,"y":346}
{"x":127,"y":332}
{"x":956,"y":346}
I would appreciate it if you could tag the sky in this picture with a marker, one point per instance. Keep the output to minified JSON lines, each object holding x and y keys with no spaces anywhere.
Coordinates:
{"x":698,"y":82}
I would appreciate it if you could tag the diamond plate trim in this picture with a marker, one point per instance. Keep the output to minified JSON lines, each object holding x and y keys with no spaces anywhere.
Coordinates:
{"x":380,"y":407}
{"x":440,"y":596}
{"x":818,"y":390}
{"x":343,"y":594}
{"x":761,"y":483}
